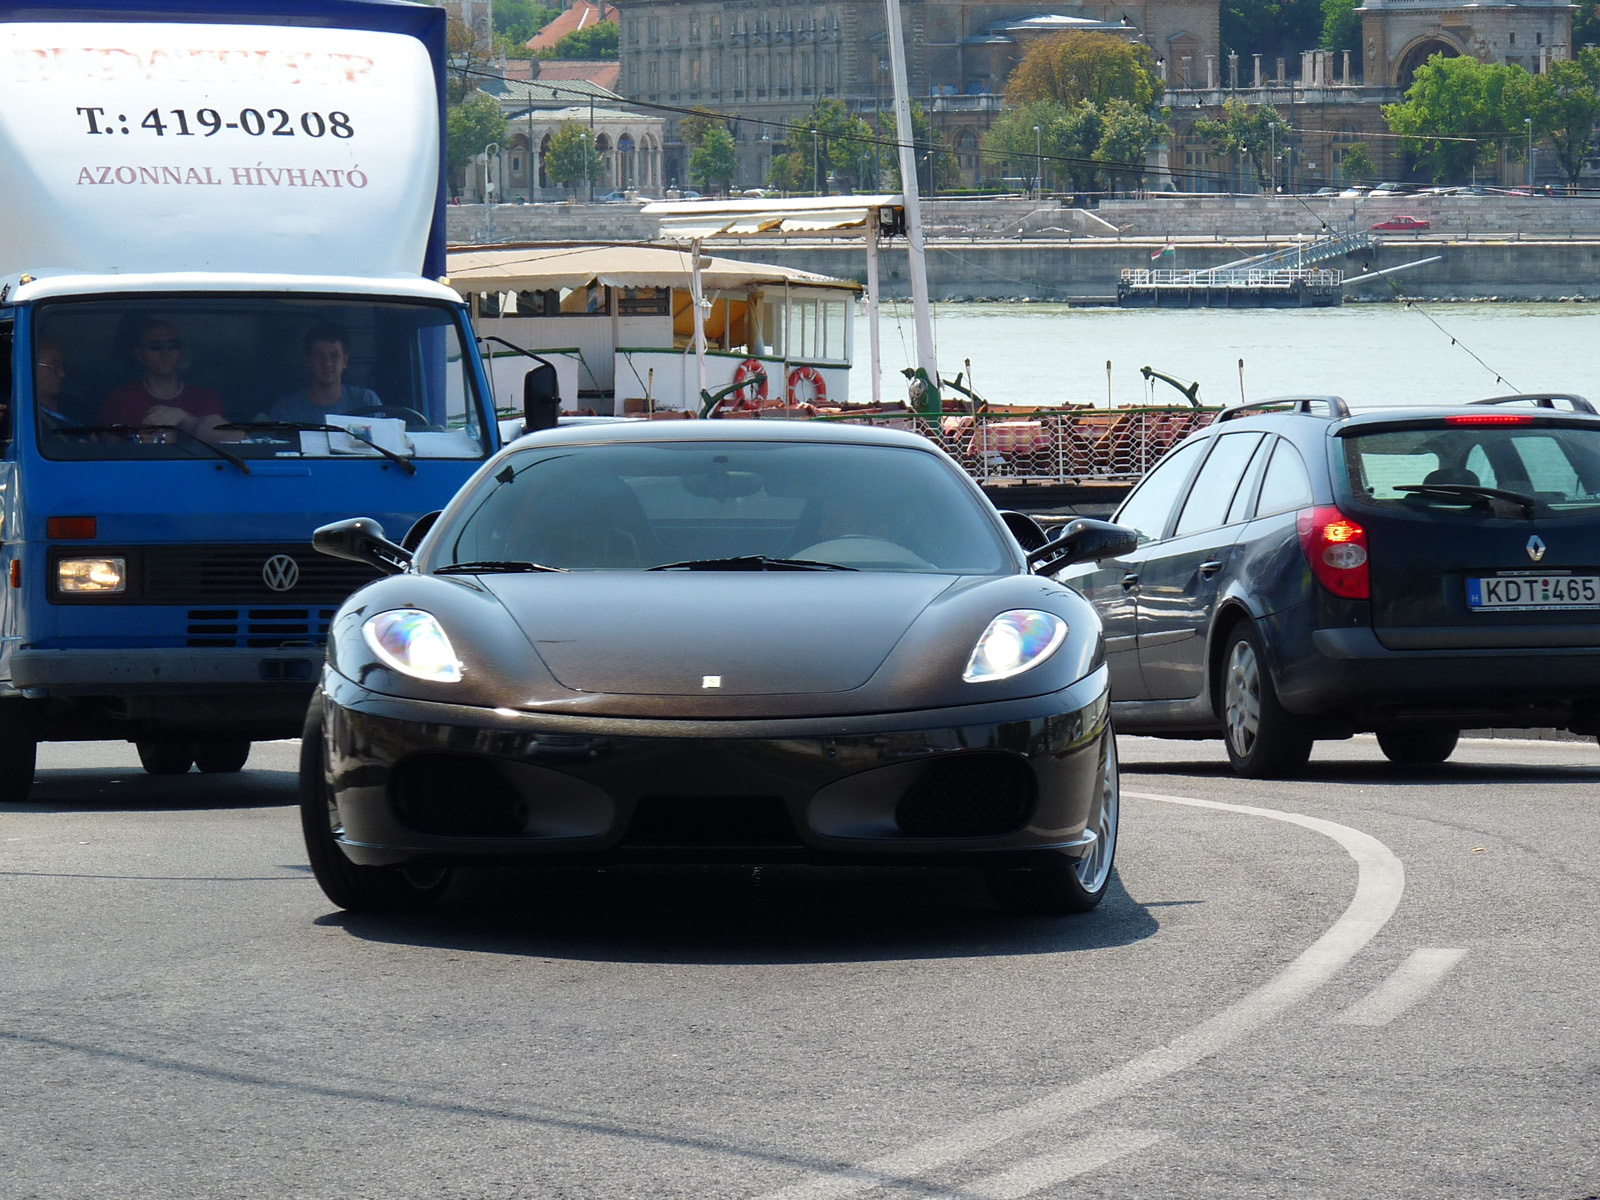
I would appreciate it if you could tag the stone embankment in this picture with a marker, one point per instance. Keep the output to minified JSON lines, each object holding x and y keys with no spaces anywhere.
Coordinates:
{"x":1493,"y":247}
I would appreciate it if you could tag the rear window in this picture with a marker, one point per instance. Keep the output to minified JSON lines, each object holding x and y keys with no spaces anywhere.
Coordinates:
{"x":1464,"y":466}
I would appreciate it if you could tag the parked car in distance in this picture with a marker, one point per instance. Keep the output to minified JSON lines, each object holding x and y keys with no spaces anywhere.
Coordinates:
{"x":1304,"y":572}
{"x":1326,"y":191}
{"x":1357,"y":191}
{"x":1394,"y":189}
{"x":1401,"y":224}
{"x":613,"y":197}
{"x":747,"y":641}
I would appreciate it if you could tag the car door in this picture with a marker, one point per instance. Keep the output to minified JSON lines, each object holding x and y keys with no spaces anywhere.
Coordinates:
{"x":1112,"y":585}
{"x":1179,"y":577}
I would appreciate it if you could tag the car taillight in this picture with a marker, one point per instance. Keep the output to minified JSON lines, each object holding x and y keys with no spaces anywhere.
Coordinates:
{"x":1336,"y":548}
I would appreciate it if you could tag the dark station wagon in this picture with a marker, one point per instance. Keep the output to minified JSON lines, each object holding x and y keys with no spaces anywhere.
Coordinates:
{"x":1304,"y":572}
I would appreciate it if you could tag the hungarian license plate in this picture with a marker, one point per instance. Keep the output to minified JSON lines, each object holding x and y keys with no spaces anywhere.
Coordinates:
{"x":1531,"y":593}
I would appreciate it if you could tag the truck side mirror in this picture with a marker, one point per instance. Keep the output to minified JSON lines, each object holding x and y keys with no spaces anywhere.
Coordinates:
{"x":362,"y":540}
{"x":541,"y":398}
{"x":1083,"y":540}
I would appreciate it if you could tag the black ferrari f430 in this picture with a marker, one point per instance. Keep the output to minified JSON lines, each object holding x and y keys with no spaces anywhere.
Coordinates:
{"x":739,"y":641}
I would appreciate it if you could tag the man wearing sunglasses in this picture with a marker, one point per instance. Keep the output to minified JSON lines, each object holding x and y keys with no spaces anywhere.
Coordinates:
{"x":161,"y":396}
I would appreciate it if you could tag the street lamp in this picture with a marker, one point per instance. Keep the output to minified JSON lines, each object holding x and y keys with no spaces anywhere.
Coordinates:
{"x":816,"y":178}
{"x":1038,"y":162}
{"x":587,"y":185}
{"x":1528,"y":121}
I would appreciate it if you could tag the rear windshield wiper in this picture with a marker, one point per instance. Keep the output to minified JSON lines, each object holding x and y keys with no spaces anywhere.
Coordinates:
{"x":493,"y":568}
{"x":405,"y":463}
{"x":134,"y":430}
{"x":750,"y":562}
{"x":1474,"y":491}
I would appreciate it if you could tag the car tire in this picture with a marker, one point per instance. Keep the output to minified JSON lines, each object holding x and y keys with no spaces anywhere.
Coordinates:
{"x":166,"y":756}
{"x":1264,"y":740}
{"x":19,"y":749}
{"x":1058,"y":883}
{"x":350,"y":885}
{"x":222,"y":757}
{"x":1417,"y":747}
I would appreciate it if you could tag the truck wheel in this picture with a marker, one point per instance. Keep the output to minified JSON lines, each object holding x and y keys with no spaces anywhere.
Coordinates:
{"x":222,"y":757}
{"x":350,"y":885}
{"x":19,"y":747}
{"x":1417,"y":747}
{"x":166,"y":757}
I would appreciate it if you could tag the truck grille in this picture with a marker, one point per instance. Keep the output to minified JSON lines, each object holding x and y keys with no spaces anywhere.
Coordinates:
{"x":259,"y":628}
{"x":235,"y":575}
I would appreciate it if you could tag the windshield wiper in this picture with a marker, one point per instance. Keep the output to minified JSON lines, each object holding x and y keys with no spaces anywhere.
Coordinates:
{"x":405,"y":463}
{"x":750,"y":562}
{"x":1473,"y":491}
{"x":137,"y":429}
{"x":493,"y":568}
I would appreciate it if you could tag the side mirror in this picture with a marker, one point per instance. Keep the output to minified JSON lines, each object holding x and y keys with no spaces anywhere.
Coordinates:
{"x":361,"y":539}
{"x":1083,"y":540}
{"x":541,"y":398}
{"x":419,"y":530}
{"x":1029,"y":533}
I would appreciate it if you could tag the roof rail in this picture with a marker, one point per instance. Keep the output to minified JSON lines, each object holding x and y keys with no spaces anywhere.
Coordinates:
{"x":1334,"y":407}
{"x":1543,"y":400}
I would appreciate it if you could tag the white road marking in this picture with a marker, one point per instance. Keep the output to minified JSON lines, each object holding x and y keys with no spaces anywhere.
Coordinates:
{"x":1380,"y":881}
{"x":1084,"y":1155}
{"x":1412,"y":980}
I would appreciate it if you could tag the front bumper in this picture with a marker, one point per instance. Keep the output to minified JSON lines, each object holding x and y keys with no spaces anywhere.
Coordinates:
{"x":418,"y":780}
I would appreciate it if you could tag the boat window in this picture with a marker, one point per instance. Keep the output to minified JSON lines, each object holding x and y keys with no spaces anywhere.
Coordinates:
{"x":628,"y":506}
{"x":1214,"y":488}
{"x":1147,"y":510}
{"x":1286,"y":484}
{"x":221,"y":368}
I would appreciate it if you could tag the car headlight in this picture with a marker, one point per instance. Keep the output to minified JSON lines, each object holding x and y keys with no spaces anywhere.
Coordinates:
{"x":1015,"y":642}
{"x":91,"y":576}
{"x":412,"y":642}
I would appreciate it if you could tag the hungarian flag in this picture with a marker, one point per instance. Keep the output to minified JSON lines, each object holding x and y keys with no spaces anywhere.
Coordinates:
{"x":1170,"y":248}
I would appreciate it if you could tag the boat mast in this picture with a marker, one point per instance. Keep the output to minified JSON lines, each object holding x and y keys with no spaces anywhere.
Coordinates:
{"x":915,"y":253}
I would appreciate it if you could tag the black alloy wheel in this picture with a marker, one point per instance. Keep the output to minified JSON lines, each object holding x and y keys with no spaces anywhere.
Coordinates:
{"x":222,"y":756}
{"x":1058,"y":883}
{"x":1264,"y":740}
{"x":350,"y":885}
{"x":1417,"y":747}
{"x":166,"y":756}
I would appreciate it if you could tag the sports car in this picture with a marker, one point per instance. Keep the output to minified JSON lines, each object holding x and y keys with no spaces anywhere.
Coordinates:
{"x":737,"y":641}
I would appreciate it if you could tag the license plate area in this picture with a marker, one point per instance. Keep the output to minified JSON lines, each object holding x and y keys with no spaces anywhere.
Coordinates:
{"x":1533,"y":591}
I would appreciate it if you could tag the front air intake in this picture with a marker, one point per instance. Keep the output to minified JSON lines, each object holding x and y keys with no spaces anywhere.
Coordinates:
{"x":966,"y":796}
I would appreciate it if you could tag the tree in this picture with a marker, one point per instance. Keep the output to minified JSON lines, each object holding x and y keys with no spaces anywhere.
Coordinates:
{"x":1357,"y":163}
{"x":1565,"y":107}
{"x":715,"y":159}
{"x":1252,"y":129}
{"x":470,"y":128}
{"x":571,"y":159}
{"x":1067,"y":138}
{"x":1457,"y":111}
{"x":598,"y":41}
{"x":517,"y":21}
{"x":1586,"y":24}
{"x":946,"y":171}
{"x":1127,"y":135}
{"x":802,"y":163}
{"x":1341,"y":29}
{"x":468,"y":53}
{"x":1269,"y":27}
{"x":1069,"y":67}
{"x":693,"y":128}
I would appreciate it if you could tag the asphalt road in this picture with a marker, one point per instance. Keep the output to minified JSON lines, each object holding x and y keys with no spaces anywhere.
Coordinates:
{"x":1366,"y":983}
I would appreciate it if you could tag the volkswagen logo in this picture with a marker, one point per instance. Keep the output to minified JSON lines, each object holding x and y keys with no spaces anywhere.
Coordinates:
{"x":1535,"y":548}
{"x":280,"y":573}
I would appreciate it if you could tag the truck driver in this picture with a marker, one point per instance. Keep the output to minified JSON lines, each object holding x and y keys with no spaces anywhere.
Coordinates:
{"x":161,"y":396}
{"x":327,"y":357}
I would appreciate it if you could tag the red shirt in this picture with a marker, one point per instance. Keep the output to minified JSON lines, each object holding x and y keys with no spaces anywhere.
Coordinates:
{"x":128,"y":404}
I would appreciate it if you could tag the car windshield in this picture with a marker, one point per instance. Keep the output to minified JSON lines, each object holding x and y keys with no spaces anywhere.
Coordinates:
{"x":1462,"y":466}
{"x":732,"y":505}
{"x":253,"y":377}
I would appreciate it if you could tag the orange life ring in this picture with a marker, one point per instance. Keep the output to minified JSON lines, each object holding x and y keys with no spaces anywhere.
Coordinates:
{"x":750,"y":368}
{"x":819,"y":389}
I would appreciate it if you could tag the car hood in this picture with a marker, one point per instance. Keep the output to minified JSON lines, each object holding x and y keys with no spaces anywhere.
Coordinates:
{"x":715,"y":633}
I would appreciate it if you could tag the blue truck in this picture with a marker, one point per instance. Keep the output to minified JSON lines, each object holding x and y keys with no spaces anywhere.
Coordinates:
{"x":222,"y":324}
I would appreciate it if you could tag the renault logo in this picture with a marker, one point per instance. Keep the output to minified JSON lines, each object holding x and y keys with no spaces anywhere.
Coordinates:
{"x":280,"y":573}
{"x":1535,"y":548}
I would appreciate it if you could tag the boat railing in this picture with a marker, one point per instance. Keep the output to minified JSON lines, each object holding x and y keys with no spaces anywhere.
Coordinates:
{"x":1250,"y":277}
{"x":1073,"y":445}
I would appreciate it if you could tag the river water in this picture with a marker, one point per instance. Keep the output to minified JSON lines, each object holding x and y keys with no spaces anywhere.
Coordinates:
{"x":1371,"y":354}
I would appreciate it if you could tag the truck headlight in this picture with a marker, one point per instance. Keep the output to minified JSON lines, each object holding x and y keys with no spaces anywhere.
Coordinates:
{"x":91,"y":576}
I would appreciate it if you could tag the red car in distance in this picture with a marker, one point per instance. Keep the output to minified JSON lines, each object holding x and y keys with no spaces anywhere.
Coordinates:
{"x":1402,"y":224}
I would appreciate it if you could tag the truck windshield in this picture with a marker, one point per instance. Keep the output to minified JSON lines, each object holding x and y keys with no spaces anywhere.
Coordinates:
{"x":283,"y":377}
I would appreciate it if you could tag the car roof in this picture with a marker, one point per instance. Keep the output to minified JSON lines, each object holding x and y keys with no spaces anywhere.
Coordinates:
{"x":691,"y":430}
{"x":1332,"y":414}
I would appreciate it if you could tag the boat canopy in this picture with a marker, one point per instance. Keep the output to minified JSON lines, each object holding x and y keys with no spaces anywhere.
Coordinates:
{"x":544,"y":268}
{"x":691,"y":219}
